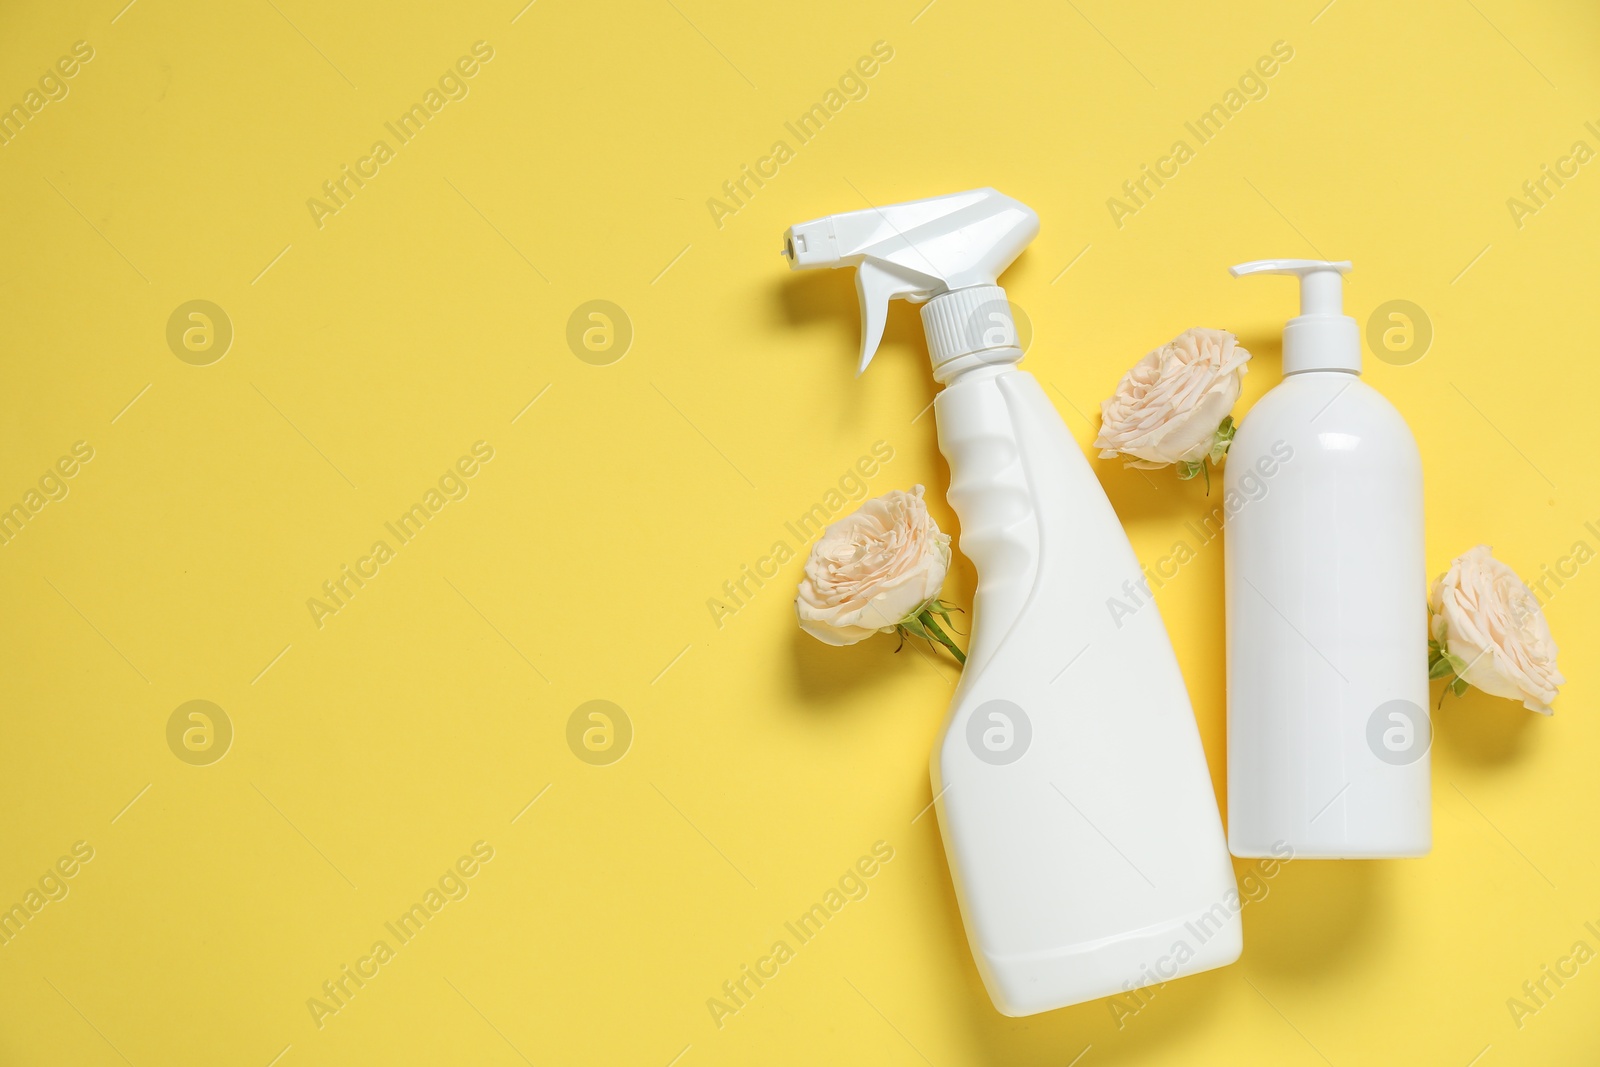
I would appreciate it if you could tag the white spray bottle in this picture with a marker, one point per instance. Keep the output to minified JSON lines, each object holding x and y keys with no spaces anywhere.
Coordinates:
{"x":1071,"y":787}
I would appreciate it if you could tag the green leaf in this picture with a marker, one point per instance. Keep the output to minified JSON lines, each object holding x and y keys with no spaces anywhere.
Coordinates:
{"x":936,"y":634}
{"x":1457,"y":664}
{"x":1458,"y":686}
{"x":914,"y":627}
{"x":1222,"y":440}
{"x":1188,"y":470}
{"x":1439,"y":668}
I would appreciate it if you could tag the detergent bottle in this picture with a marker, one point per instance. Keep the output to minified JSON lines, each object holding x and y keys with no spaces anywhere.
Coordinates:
{"x":1070,"y":784}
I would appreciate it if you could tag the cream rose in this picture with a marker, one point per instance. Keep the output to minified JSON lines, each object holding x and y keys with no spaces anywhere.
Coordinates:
{"x":1168,"y":407}
{"x":1488,"y":624}
{"x":872,"y":569}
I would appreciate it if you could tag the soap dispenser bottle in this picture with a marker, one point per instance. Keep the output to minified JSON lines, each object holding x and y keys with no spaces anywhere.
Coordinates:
{"x":1071,"y":788}
{"x":1327,"y":646}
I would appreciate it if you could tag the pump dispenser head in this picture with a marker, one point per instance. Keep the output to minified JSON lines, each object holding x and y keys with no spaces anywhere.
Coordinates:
{"x":1322,"y":337}
{"x":948,"y":250}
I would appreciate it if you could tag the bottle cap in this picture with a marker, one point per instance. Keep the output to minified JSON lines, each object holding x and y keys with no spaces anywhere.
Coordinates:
{"x":1322,"y":337}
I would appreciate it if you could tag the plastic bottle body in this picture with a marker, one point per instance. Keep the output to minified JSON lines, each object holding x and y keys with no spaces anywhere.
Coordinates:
{"x":1328,"y":729}
{"x":1071,"y":786}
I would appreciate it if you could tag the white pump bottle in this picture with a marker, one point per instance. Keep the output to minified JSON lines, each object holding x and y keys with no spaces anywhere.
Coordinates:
{"x":1070,"y":783}
{"x":1328,"y":730}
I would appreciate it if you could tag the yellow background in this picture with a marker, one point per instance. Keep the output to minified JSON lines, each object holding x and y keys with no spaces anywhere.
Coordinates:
{"x":368,"y":354}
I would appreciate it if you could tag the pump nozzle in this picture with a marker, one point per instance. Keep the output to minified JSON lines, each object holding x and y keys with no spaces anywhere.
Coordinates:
{"x":917,"y":250}
{"x":1322,"y":337}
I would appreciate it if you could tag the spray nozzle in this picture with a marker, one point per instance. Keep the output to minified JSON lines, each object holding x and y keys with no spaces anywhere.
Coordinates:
{"x":918,"y":250}
{"x":1322,"y":337}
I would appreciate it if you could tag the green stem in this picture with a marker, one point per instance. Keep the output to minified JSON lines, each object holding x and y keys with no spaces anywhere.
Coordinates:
{"x":932,"y":626}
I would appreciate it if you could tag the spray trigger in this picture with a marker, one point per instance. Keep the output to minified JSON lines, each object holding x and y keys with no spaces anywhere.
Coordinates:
{"x":876,"y":285}
{"x":918,"y":251}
